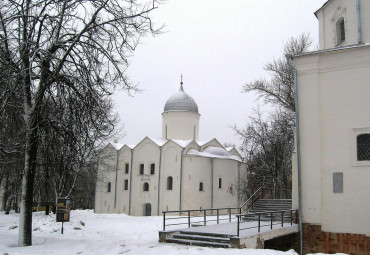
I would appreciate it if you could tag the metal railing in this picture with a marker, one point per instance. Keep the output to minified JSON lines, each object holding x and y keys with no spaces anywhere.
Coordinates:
{"x":199,"y":217}
{"x":281,"y":216}
{"x":261,"y":192}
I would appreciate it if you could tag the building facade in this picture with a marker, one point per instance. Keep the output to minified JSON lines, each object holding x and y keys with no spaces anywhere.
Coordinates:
{"x":334,"y":113}
{"x":175,"y":172}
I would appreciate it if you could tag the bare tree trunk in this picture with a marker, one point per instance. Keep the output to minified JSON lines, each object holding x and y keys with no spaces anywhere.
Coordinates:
{"x":25,"y":217}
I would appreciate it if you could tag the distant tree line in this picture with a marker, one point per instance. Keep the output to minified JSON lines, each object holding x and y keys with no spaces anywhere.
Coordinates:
{"x":268,"y":139}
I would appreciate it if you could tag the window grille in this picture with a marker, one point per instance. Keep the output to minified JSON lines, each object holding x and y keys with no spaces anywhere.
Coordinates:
{"x":363,"y":147}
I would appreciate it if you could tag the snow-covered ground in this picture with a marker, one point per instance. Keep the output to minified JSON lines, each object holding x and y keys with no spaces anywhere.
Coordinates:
{"x":90,"y":233}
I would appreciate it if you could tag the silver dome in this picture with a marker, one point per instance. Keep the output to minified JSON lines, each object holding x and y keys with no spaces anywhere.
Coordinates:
{"x":180,"y":101}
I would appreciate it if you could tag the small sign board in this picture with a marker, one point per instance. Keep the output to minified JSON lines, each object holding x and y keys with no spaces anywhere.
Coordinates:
{"x":63,"y":209}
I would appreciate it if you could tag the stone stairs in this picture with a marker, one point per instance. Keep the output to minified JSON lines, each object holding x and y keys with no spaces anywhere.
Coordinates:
{"x":200,"y":239}
{"x":269,"y":205}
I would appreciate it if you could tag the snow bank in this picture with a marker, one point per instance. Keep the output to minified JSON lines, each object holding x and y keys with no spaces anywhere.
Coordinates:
{"x":90,"y":233}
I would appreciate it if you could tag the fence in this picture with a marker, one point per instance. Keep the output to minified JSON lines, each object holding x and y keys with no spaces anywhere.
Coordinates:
{"x":199,"y":217}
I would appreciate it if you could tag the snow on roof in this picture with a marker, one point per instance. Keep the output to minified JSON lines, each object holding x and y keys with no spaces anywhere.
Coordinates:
{"x":158,"y":141}
{"x":203,"y":142}
{"x":117,"y":146}
{"x":131,"y":146}
{"x":213,"y":152}
{"x":182,"y":143}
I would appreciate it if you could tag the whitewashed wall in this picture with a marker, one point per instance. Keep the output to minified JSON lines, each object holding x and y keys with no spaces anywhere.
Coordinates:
{"x":180,"y":125}
{"x":334,"y":102}
{"x":329,"y":15}
{"x":145,"y":153}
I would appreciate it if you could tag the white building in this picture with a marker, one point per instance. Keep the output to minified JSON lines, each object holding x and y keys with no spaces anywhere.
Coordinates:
{"x":175,"y":172}
{"x":334,"y":113}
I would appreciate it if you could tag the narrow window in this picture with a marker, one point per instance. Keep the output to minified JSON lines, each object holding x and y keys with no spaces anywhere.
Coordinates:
{"x":169,"y":183}
{"x":126,"y":185}
{"x":146,"y":186}
{"x":152,"y":168}
{"x":338,"y":182}
{"x":219,"y":183}
{"x":363,"y":147}
{"x":126,"y":168}
{"x":341,"y":33}
{"x":109,"y":186}
{"x":141,"y":169}
{"x":201,"y":186}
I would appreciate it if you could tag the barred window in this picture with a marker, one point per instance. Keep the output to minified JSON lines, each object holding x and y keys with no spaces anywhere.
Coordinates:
{"x":363,"y":147}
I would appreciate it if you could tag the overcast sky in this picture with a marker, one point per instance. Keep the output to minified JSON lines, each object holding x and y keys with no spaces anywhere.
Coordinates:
{"x":218,"y":45}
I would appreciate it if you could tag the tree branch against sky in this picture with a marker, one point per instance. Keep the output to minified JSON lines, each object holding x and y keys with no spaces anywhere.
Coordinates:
{"x":279,"y":90}
{"x":79,"y":47}
{"x":268,"y":141}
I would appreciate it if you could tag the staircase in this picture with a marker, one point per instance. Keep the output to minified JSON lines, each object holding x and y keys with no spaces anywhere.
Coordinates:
{"x":268,"y":205}
{"x":200,"y":239}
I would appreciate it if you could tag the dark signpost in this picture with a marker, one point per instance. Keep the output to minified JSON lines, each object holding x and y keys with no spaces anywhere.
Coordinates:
{"x":63,"y":210}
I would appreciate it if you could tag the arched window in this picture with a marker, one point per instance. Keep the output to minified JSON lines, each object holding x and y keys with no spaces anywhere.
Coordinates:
{"x":341,"y":33}
{"x":146,"y":186}
{"x":363,"y":147}
{"x":169,"y":182}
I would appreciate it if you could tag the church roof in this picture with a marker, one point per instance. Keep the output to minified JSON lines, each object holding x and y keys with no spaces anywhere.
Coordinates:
{"x":181,"y":101}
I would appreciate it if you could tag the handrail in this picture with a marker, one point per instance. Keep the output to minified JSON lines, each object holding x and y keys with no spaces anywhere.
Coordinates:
{"x":246,"y":202}
{"x":270,"y":215}
{"x":250,"y":202}
{"x":203,"y":214}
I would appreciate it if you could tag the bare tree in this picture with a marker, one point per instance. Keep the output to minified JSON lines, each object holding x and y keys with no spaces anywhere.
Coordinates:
{"x":279,"y":90}
{"x":74,"y":47}
{"x":268,"y":146}
{"x":268,"y":142}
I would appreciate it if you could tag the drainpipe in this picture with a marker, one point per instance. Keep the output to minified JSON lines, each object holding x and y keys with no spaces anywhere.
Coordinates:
{"x":129,"y":196}
{"x":359,"y":22}
{"x":289,"y":60}
{"x":115,"y":188}
{"x":182,"y":151}
{"x":159,"y":177}
{"x":238,"y":182}
{"x":212,"y":191}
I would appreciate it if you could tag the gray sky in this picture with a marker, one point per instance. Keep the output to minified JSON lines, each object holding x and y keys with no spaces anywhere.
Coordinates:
{"x":218,"y":45}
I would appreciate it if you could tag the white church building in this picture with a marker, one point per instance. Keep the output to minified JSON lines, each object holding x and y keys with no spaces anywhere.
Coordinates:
{"x":175,"y":172}
{"x":334,"y":133}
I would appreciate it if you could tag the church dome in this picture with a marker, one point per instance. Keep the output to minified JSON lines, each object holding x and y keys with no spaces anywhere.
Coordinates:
{"x":181,"y":101}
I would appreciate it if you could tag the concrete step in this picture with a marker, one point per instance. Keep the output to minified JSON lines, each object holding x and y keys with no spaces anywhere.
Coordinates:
{"x":197,"y":243}
{"x":202,"y":238}
{"x":205,"y":234}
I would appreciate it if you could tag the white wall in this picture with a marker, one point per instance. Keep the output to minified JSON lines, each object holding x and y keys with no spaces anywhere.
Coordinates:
{"x":196,"y":170}
{"x":171,"y":166}
{"x":104,"y":200}
{"x":329,"y":15}
{"x":227,"y":195}
{"x":180,"y":125}
{"x":123,"y":195}
{"x":145,"y":153}
{"x":333,"y":101}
